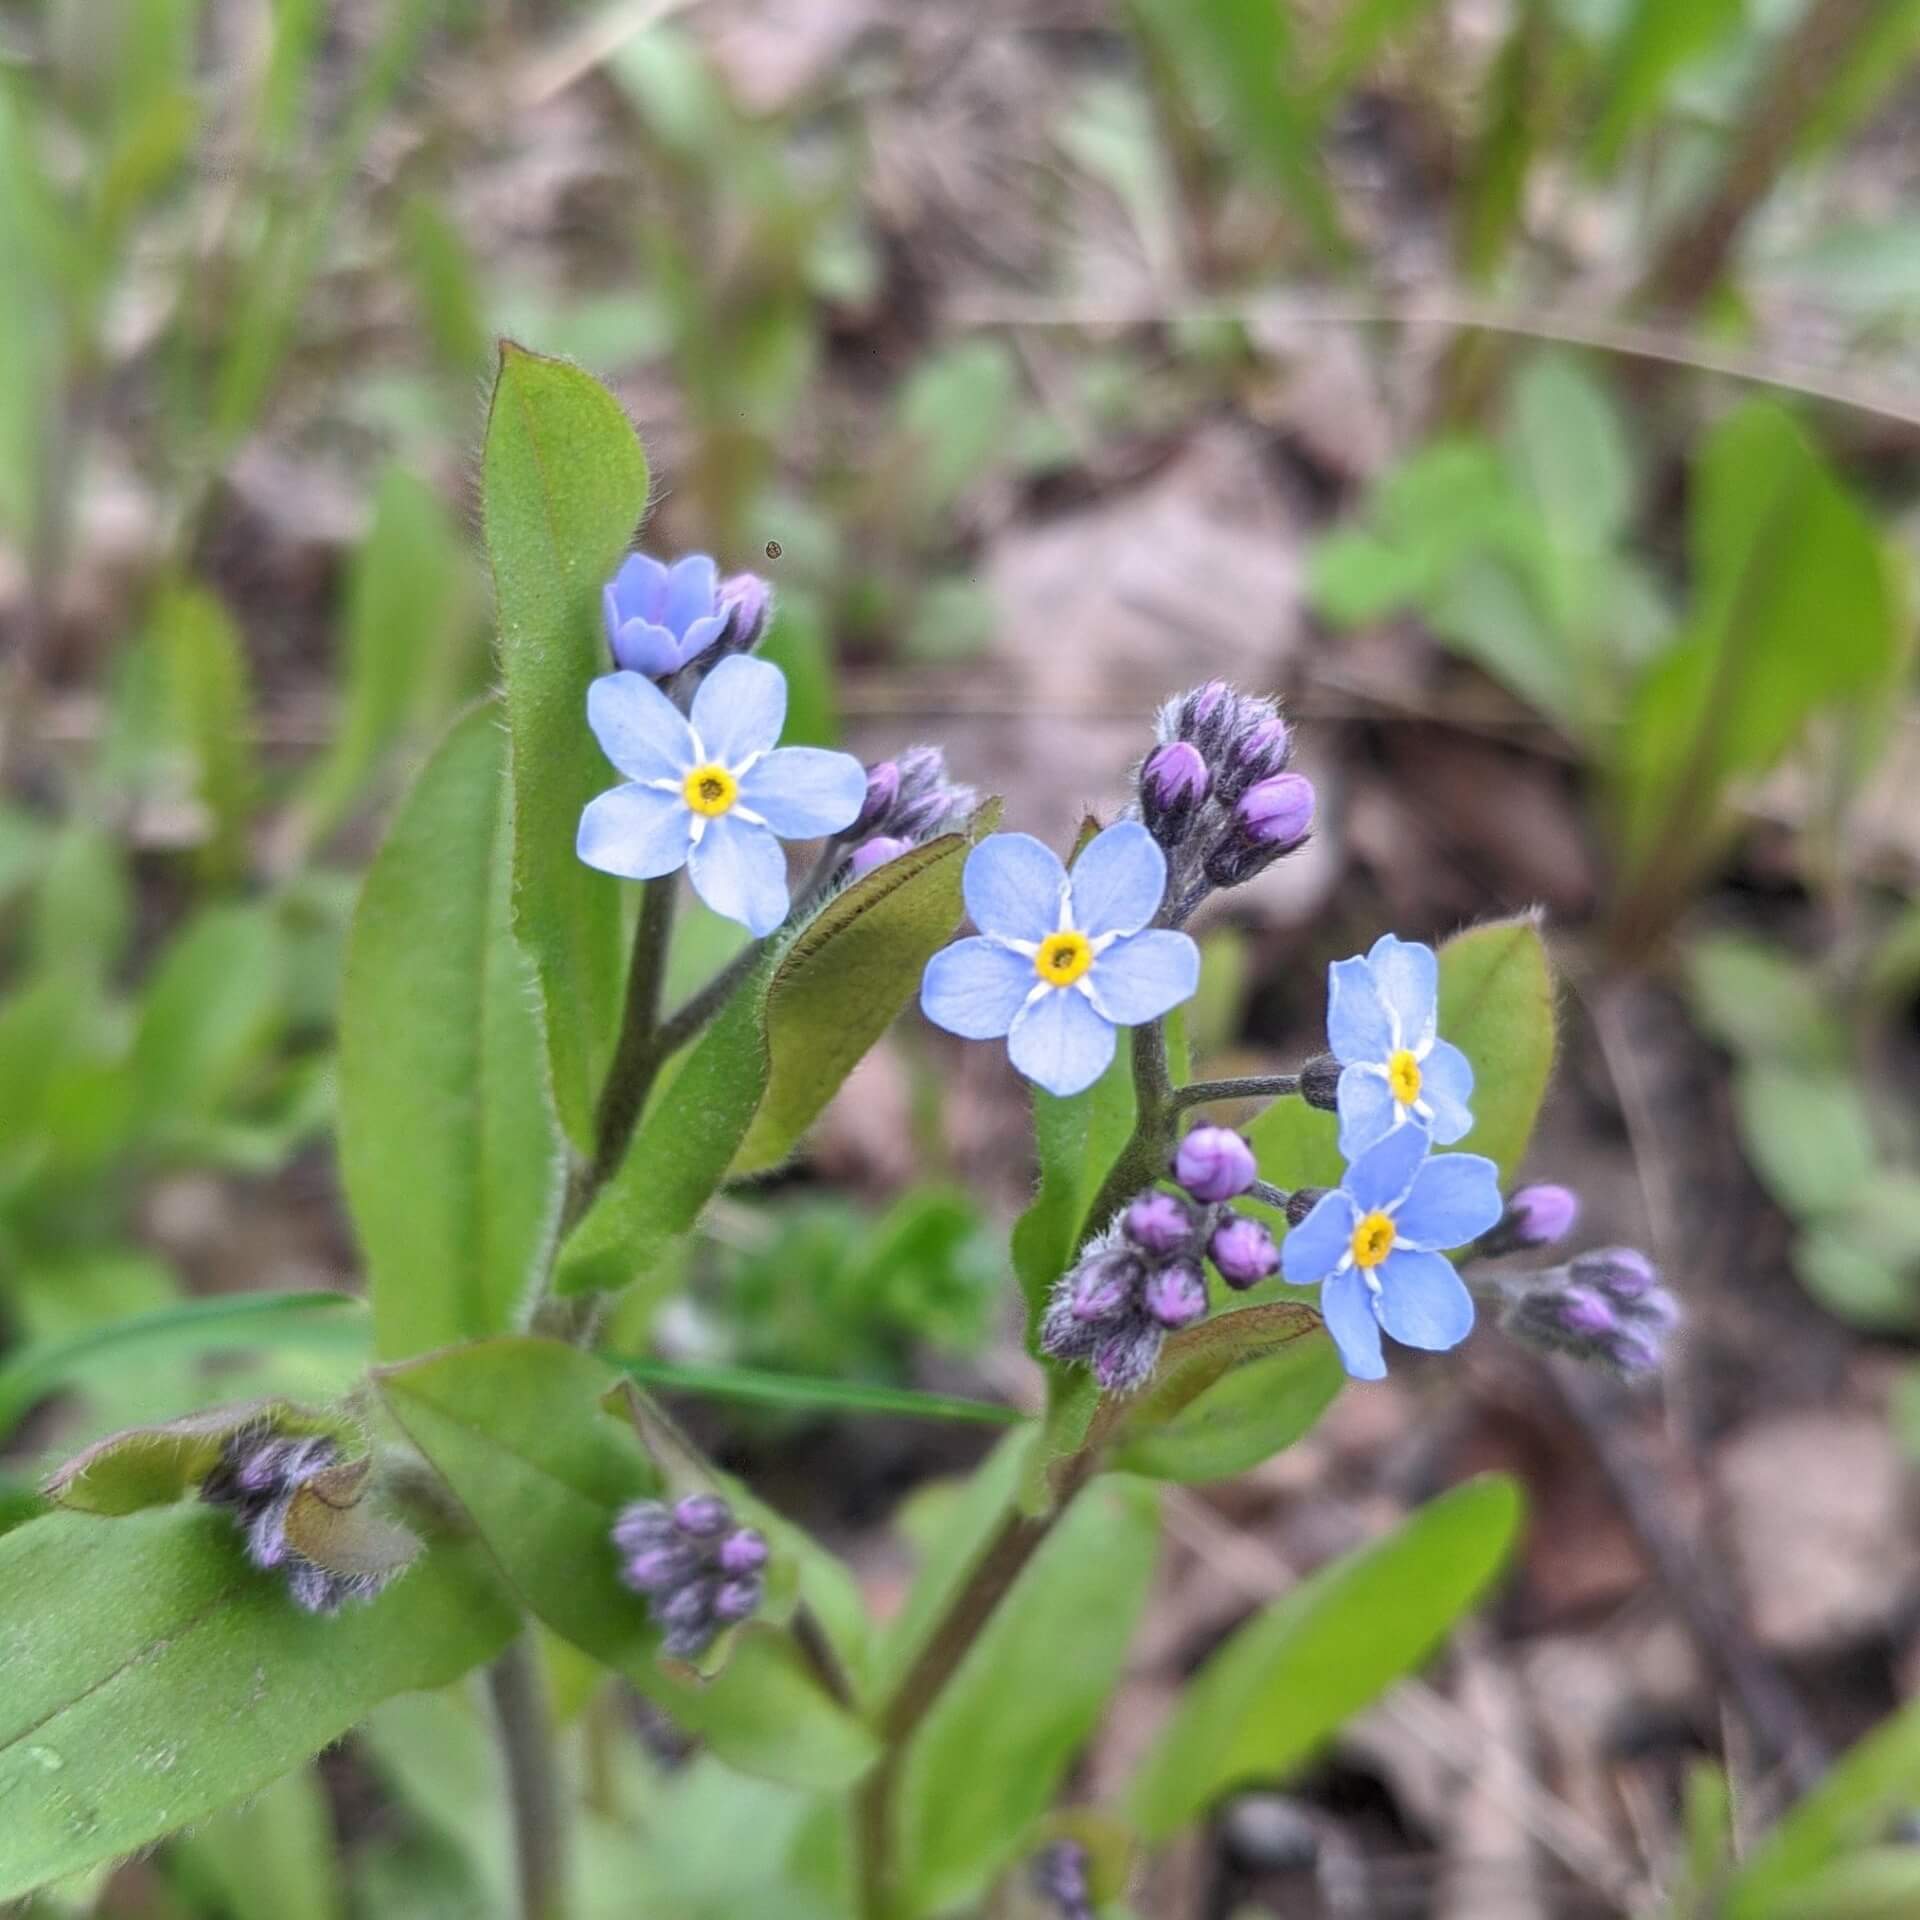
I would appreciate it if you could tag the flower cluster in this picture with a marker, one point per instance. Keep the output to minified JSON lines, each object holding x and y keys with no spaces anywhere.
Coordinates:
{"x":1607,"y":1307}
{"x":257,"y":1478}
{"x":1061,"y":959}
{"x":1216,"y":792}
{"x":1142,"y":1278}
{"x":911,"y":799}
{"x":701,"y":1574}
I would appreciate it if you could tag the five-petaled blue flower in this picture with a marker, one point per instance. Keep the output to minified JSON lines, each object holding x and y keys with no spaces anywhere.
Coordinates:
{"x":1061,"y":959}
{"x":1375,"y":1242}
{"x":710,"y":791}
{"x":659,"y":617}
{"x":1382,"y":1020}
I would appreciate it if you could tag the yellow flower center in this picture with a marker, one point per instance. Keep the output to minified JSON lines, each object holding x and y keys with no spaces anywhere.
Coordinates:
{"x":1403,"y":1076}
{"x":1063,"y":958}
{"x":710,"y":790}
{"x":1372,"y":1240}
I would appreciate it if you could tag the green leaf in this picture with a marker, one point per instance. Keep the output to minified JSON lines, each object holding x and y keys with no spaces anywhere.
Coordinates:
{"x":407,"y":597}
{"x":1294,"y":1674}
{"x":143,"y":1467}
{"x":1206,"y":1418}
{"x":1793,"y":609}
{"x":1879,"y":1883}
{"x":207,"y":1018}
{"x":1808,"y":1135}
{"x":680,"y":1153}
{"x":210,"y":710}
{"x":1758,"y":1003}
{"x":957,"y":407}
{"x":1492,"y":196}
{"x":756,"y":1386}
{"x":842,"y":983}
{"x":515,"y":1429}
{"x":191,"y":1327}
{"x":1028,"y":1693}
{"x":563,"y":486}
{"x":1075,"y":1140}
{"x":83,"y":910}
{"x":1569,"y":452}
{"x":273,"y":1858}
{"x":448,"y":1152}
{"x":1874,"y":1780}
{"x":1659,"y":38}
{"x":155,"y":1677}
{"x":446,"y":285}
{"x":1863,"y":1261}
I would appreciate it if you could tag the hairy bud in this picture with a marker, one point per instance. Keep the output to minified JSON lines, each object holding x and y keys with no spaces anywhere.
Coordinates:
{"x":1244,"y":1252}
{"x":1173,"y":787}
{"x":1320,"y":1083}
{"x":1273,"y":818}
{"x":699,"y":1573}
{"x":1159,"y":1222}
{"x":1214,"y":1163}
{"x":1536,"y":1216}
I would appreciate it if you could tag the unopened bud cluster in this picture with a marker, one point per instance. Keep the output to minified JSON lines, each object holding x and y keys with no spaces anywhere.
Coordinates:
{"x":1607,"y":1308}
{"x":256,"y":1479}
{"x":1143,"y":1277}
{"x":910,"y":800}
{"x":1217,"y":794}
{"x":700,"y":1573}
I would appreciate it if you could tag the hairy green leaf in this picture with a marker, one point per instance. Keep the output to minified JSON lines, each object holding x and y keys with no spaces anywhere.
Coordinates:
{"x":1292,"y":1675}
{"x":155,"y":1677}
{"x":447,"y":1147}
{"x":563,"y":486}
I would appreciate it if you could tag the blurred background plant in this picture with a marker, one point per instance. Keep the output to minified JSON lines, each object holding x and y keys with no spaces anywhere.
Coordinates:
{"x":1527,"y":389}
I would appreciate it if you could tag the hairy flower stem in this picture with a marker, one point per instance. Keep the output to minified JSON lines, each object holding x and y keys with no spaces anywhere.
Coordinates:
{"x":1019,"y":1537}
{"x":533,"y":1780}
{"x":1255,"y":1086}
{"x":637,"y":1054}
{"x":1145,"y":1157}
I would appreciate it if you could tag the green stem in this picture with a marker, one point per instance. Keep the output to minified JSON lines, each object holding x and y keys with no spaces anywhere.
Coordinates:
{"x":533,"y":1782}
{"x":638,"y":1053}
{"x":1253,"y":1086}
{"x":1144,"y":1158}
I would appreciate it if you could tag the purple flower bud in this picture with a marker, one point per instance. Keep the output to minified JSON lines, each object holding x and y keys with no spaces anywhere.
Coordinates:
{"x":686,"y":1606}
{"x":644,"y":1524}
{"x":1657,"y":1310}
{"x":745,"y":601}
{"x":659,"y":1569}
{"x":1125,"y":1359}
{"x":874,"y":853}
{"x":1214,"y":1163}
{"x":1175,"y":1295}
{"x":883,"y":789}
{"x":1257,"y":755}
{"x":1536,"y":1216}
{"x":1104,"y":1285}
{"x":1320,"y":1083}
{"x":1063,"y":1334}
{"x":1634,"y":1353}
{"x":1173,"y":787}
{"x":1159,"y":1222}
{"x":742,"y":1552}
{"x":1060,"y":1875}
{"x":702,"y":1515}
{"x":736,"y":1599}
{"x":1621,"y":1273}
{"x":1244,"y":1252}
{"x":1584,"y":1312}
{"x":1272,"y":818}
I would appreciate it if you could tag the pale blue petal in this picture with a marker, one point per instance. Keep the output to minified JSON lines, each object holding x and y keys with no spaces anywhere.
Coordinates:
{"x":637,"y":832}
{"x":975,"y":987}
{"x":1357,"y":1024}
{"x":1013,"y":884}
{"x":690,"y":590}
{"x":740,"y":709}
{"x":1423,"y":1302}
{"x":740,"y":872}
{"x":1407,"y":977}
{"x":1347,"y":1307}
{"x":1379,"y":1179}
{"x":700,"y":635}
{"x":1140,"y":977}
{"x":1455,"y":1197}
{"x":641,"y":647}
{"x":1118,"y":881}
{"x":1366,"y":1109}
{"x":640,"y":587}
{"x":639,"y":729}
{"x":1317,"y":1245}
{"x":802,"y":792}
{"x":1060,"y":1043}
{"x":1446,"y":1084}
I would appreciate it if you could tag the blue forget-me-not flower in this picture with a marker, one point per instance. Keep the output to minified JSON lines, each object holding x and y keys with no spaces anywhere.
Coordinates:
{"x":659,"y":617}
{"x":1061,"y":959}
{"x":710,"y":790}
{"x":1376,"y":1244}
{"x":1382,"y":1024}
